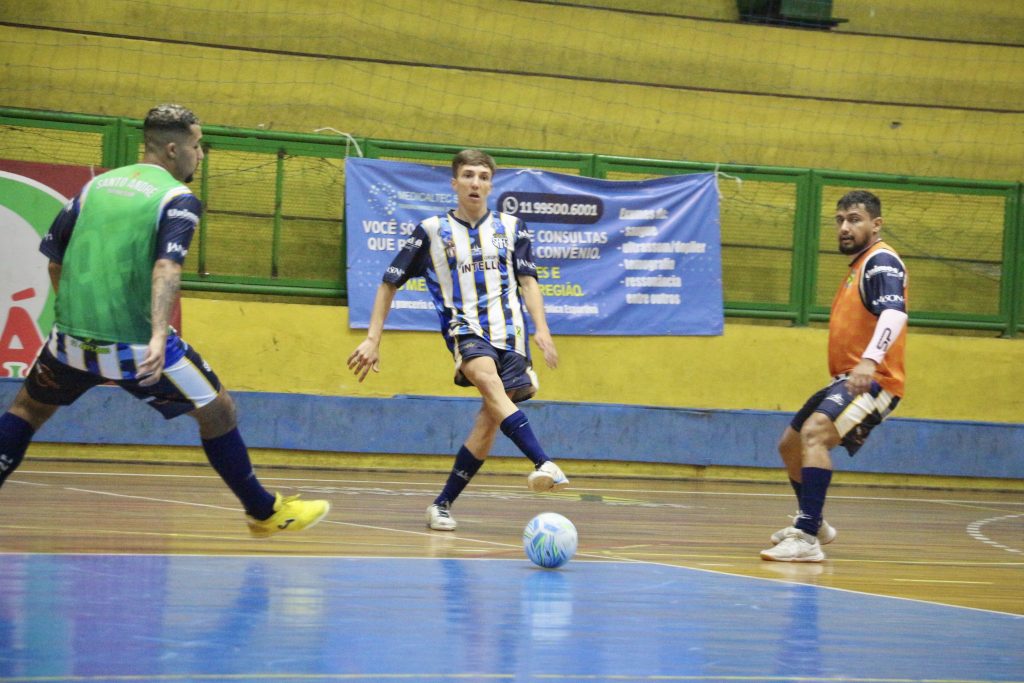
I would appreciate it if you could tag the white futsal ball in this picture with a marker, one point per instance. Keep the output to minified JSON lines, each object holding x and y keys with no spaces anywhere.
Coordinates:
{"x":550,"y":540}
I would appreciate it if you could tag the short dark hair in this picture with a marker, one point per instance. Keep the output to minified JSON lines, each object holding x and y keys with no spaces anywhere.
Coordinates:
{"x":472,"y":157}
{"x":871,"y":202}
{"x":167,"y":119}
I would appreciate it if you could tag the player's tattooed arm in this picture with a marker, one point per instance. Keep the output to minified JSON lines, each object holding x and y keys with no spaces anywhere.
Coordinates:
{"x":166,"y":285}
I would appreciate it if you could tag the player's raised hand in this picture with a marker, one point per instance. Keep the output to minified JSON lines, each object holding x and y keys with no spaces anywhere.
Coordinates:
{"x":364,"y":358}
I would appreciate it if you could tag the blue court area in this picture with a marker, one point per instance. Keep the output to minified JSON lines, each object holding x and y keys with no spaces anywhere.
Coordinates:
{"x":211,"y":618}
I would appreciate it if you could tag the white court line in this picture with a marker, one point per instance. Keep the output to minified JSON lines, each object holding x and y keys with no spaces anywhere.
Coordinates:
{"x":235,"y":510}
{"x":974,"y":531}
{"x":605,"y":556}
{"x":979,"y":583}
{"x":172,"y":501}
{"x":608,"y":557}
{"x":482,"y":485}
{"x":596,"y":560}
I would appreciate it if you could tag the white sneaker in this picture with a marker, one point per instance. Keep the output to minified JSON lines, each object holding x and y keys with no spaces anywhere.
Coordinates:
{"x":795,"y":546}
{"x":439,"y":518}
{"x":826,"y":532}
{"x":547,"y":477}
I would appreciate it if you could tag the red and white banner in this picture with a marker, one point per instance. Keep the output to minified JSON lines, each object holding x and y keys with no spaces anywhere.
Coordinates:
{"x":31,"y":194}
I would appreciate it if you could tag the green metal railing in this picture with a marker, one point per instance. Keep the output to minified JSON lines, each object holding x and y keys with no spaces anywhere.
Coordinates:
{"x":274,"y":218}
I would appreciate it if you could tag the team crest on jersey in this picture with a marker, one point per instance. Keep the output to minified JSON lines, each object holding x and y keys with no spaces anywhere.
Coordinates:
{"x":500,"y":241}
{"x":449,"y":248}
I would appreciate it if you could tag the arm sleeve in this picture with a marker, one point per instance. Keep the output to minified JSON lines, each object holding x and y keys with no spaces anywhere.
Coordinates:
{"x":55,"y":243}
{"x":177,"y":226}
{"x":887,"y":330}
{"x":524,"y":264}
{"x":411,"y":260}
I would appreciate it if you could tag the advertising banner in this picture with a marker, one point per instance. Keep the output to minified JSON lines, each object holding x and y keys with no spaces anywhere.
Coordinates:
{"x":31,"y":195}
{"x":613,"y":257}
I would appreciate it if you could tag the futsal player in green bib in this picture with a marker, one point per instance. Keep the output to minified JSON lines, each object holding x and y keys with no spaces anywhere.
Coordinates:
{"x":116,"y":252}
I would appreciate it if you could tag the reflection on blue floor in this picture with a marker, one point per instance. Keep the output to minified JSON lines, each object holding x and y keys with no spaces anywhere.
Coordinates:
{"x":252,"y":618}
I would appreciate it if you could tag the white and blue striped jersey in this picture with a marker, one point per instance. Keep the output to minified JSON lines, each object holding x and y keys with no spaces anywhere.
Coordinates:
{"x":471,"y":275}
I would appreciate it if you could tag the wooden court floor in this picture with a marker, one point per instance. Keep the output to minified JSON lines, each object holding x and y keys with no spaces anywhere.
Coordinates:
{"x":952,"y":547}
{"x":114,"y":572}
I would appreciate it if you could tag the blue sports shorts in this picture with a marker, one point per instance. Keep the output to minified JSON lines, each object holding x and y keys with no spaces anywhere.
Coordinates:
{"x":516,"y":372}
{"x":853,"y":416}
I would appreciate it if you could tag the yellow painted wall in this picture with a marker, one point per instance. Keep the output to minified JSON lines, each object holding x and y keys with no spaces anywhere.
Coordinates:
{"x":582,"y":43}
{"x":987,"y":21}
{"x":299,"y":348}
{"x":630,"y":84}
{"x":992,"y":21}
{"x":725,"y":10}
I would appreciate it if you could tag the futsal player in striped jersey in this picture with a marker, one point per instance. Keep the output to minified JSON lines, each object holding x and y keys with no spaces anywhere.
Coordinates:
{"x":866,"y":341}
{"x":116,"y":253}
{"x":479,"y":270}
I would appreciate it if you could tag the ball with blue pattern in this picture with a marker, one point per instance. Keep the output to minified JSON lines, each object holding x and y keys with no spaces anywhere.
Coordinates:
{"x":550,"y":540}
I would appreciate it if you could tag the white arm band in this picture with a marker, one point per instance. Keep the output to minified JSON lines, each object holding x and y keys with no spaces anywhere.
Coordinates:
{"x":888,"y":328}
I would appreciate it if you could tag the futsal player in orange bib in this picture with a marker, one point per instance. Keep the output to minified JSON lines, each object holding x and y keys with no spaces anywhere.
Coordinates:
{"x":866,"y":342}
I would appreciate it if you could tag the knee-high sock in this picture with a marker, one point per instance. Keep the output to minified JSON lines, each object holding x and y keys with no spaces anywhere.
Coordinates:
{"x":229,"y":456}
{"x":812,"y":498}
{"x":15,"y":435}
{"x":465,"y":467}
{"x":517,"y":428}
{"x":797,"y":487}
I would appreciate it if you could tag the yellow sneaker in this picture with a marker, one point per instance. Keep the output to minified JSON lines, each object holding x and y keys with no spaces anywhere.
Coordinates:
{"x":290,"y":514}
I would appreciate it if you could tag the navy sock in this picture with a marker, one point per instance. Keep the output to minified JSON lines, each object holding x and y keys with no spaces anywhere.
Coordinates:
{"x":15,"y":435}
{"x":797,"y":486}
{"x":812,"y":498}
{"x":465,"y":467}
{"x":517,"y":428}
{"x":229,"y":456}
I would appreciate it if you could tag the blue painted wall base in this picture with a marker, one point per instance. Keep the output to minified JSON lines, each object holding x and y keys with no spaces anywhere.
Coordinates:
{"x":432,"y":425}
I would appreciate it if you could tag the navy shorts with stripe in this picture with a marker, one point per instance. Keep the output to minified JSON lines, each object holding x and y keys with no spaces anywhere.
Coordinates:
{"x":187,"y":383}
{"x":853,"y":416}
